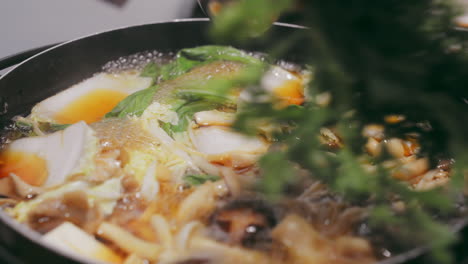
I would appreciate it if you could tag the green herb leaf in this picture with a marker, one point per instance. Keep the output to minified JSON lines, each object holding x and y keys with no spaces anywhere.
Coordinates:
{"x":207,"y":96}
{"x":199,"y":179}
{"x":151,"y":70}
{"x":354,"y":180}
{"x":186,"y":59}
{"x":190,"y":58}
{"x":55,"y":127}
{"x":134,"y":104}
{"x":401,"y":55}
{"x":43,"y":126}
{"x":23,"y":124}
{"x":277,"y":173}
{"x":178,"y":67}
{"x":246,"y":19}
{"x":213,"y":53}
{"x":212,"y":94}
{"x":186,"y":111}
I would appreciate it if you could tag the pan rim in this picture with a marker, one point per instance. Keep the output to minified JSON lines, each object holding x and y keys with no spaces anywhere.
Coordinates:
{"x":178,"y":20}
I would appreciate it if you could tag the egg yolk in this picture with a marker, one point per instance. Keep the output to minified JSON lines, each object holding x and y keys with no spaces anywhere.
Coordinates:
{"x":291,"y":92}
{"x":90,"y":107}
{"x":31,"y":168}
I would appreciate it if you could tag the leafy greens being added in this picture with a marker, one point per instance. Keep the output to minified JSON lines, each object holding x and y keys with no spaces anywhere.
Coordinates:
{"x":190,"y":98}
{"x":375,"y":58}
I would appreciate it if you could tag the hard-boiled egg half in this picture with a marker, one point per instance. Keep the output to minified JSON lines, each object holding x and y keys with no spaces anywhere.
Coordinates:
{"x":48,"y":160}
{"x":89,"y":100}
{"x":286,"y":86}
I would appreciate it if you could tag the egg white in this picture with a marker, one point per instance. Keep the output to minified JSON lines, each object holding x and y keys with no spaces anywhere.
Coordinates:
{"x":276,"y":77}
{"x":278,"y":83}
{"x":126,"y":83}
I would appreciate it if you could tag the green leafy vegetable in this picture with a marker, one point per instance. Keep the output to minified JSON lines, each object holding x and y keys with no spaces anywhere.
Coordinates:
{"x":151,"y":70}
{"x":247,"y":19}
{"x":207,"y":96}
{"x":57,"y":127}
{"x":186,"y":59}
{"x":213,"y":53}
{"x":134,"y":104}
{"x":211,"y":95}
{"x":187,"y":110}
{"x":46,"y":127}
{"x":397,"y":56}
{"x":277,"y":162}
{"x":178,"y":67}
{"x":199,"y":179}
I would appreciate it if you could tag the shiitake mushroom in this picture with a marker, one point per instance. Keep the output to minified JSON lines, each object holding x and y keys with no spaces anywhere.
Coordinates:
{"x":244,"y":222}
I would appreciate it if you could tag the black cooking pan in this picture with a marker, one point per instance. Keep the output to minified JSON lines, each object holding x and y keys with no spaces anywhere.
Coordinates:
{"x":59,"y":67}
